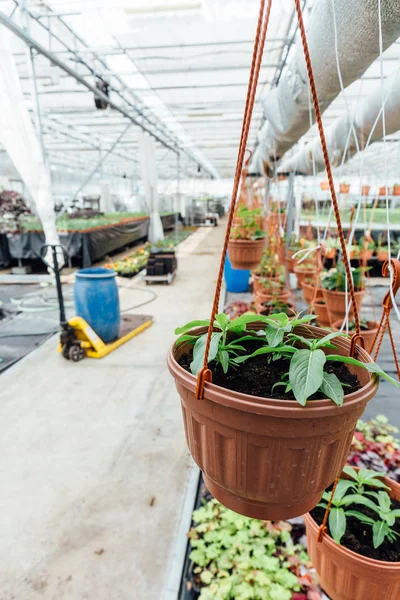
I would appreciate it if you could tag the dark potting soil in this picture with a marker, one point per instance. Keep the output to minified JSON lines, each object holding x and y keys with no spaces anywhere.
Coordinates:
{"x":257,"y":376}
{"x":358,"y":537}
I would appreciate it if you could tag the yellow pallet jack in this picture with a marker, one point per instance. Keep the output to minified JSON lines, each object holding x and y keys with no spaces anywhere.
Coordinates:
{"x":77,"y":338}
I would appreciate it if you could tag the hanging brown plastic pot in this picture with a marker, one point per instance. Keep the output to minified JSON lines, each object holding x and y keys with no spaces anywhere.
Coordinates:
{"x":321,"y":313}
{"x":268,"y":458}
{"x":259,"y":281}
{"x":336,"y":303}
{"x":365,"y":254}
{"x":346,"y":575}
{"x":245,"y":254}
{"x":382,"y":191}
{"x":382,"y":255}
{"x":368,"y":334}
{"x":304,"y":273}
{"x":365,"y":190}
{"x":261,"y":299}
{"x":396,"y":190}
{"x":344,"y":188}
{"x":309,"y":293}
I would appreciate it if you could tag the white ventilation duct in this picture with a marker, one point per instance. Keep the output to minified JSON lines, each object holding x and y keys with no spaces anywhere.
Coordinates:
{"x":286,"y":108}
{"x":367,"y":124}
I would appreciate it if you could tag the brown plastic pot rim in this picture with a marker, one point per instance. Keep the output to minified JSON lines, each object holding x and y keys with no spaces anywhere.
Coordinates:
{"x":336,"y":292}
{"x":273,"y":406}
{"x":246,"y":241}
{"x":330,"y":542}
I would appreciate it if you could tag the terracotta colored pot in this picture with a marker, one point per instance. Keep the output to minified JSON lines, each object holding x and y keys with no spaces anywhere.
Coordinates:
{"x":330,"y":252}
{"x":266,"y":458}
{"x":259,"y":280}
{"x":322,"y":314}
{"x":382,"y":255}
{"x":245,"y":254}
{"x":366,"y":254}
{"x":336,"y":304}
{"x":346,"y":575}
{"x":354,"y":254}
{"x":303,"y":274}
{"x":324,"y":185}
{"x":396,"y":190}
{"x":290,"y":262}
{"x":368,"y":335}
{"x":260,"y":299}
{"x":382,"y":191}
{"x":365,"y":190}
{"x":282,"y":254}
{"x":344,"y":188}
{"x":309,"y":293}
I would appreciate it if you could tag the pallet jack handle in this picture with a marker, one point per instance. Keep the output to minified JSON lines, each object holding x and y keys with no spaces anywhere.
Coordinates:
{"x":56,"y":268}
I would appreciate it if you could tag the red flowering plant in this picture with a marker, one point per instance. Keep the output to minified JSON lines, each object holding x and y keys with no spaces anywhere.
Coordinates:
{"x":376,"y":447}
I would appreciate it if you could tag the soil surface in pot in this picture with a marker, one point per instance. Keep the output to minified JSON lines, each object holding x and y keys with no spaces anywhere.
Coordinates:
{"x":257,"y":376}
{"x":358,"y":537}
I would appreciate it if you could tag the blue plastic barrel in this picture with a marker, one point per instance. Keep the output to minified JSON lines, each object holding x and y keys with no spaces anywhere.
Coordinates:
{"x":97,"y":301}
{"x":236,"y":280}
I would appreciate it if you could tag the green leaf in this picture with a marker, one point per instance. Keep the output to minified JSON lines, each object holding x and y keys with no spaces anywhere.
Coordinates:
{"x":302,"y":339}
{"x":240,"y":322}
{"x":274,"y":336}
{"x":351,"y":472}
{"x":306,"y":373}
{"x":190,"y":325}
{"x":384,"y":501}
{"x":337,"y":523}
{"x":265,"y":350}
{"x":299,"y":321}
{"x":341,"y":489}
{"x":360,"y":516}
{"x":224,"y":359}
{"x":222,"y":320}
{"x":358,"y":499}
{"x":328,"y":337}
{"x":370,"y":366}
{"x":206,"y":577}
{"x":332,"y":388}
{"x":199,"y":349}
{"x":186,"y":338}
{"x":379,"y":532}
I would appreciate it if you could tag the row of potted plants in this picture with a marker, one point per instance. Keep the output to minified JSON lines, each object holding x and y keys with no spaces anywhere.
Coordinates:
{"x":344,"y":188}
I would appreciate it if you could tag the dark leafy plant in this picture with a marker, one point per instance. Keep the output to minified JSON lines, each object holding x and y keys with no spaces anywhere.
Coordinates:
{"x":353,"y":493}
{"x":306,"y":374}
{"x":335,"y":279}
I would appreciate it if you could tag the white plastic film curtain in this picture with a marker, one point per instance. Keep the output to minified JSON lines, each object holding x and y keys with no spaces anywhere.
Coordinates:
{"x":21,"y":142}
{"x":148,"y":170}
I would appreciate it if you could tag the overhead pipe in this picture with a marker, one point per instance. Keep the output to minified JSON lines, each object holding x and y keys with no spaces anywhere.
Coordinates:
{"x":365,"y":123}
{"x":286,"y":108}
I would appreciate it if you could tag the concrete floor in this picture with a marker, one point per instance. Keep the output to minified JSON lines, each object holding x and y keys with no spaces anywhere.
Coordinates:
{"x":93,"y":461}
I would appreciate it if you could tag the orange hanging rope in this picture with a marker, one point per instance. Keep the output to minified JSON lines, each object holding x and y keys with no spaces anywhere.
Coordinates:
{"x":387,"y":307}
{"x":318,"y":117}
{"x":205,"y":373}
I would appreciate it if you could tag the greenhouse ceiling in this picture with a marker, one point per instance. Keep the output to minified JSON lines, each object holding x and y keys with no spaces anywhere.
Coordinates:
{"x":177,"y":68}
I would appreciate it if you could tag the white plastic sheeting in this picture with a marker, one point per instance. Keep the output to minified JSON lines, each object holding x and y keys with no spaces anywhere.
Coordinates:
{"x":21,"y":142}
{"x":286,"y":108}
{"x":367,"y":125}
{"x":148,"y":170}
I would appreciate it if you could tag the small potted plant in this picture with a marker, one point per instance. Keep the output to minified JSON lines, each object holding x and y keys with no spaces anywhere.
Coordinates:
{"x":359,"y":556}
{"x":367,"y":247}
{"x":274,"y":427}
{"x":354,"y":251}
{"x":247,"y":239}
{"x":276,"y":306}
{"x":321,"y":313}
{"x":310,"y":292}
{"x":383,"y":190}
{"x":344,"y":188}
{"x":365,"y":190}
{"x":305,"y":270}
{"x":334,"y":290}
{"x":324,"y":185}
{"x":368,"y":330}
{"x":382,"y":251}
{"x":331,"y":248}
{"x":396,"y":189}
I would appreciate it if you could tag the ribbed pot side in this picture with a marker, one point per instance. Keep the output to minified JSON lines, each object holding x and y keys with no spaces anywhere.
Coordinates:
{"x":267,"y":458}
{"x":345,"y":575}
{"x":245,"y":254}
{"x":336,"y":303}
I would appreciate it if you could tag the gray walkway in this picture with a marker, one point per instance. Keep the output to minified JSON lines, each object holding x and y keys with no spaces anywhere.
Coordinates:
{"x":93,"y":460}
